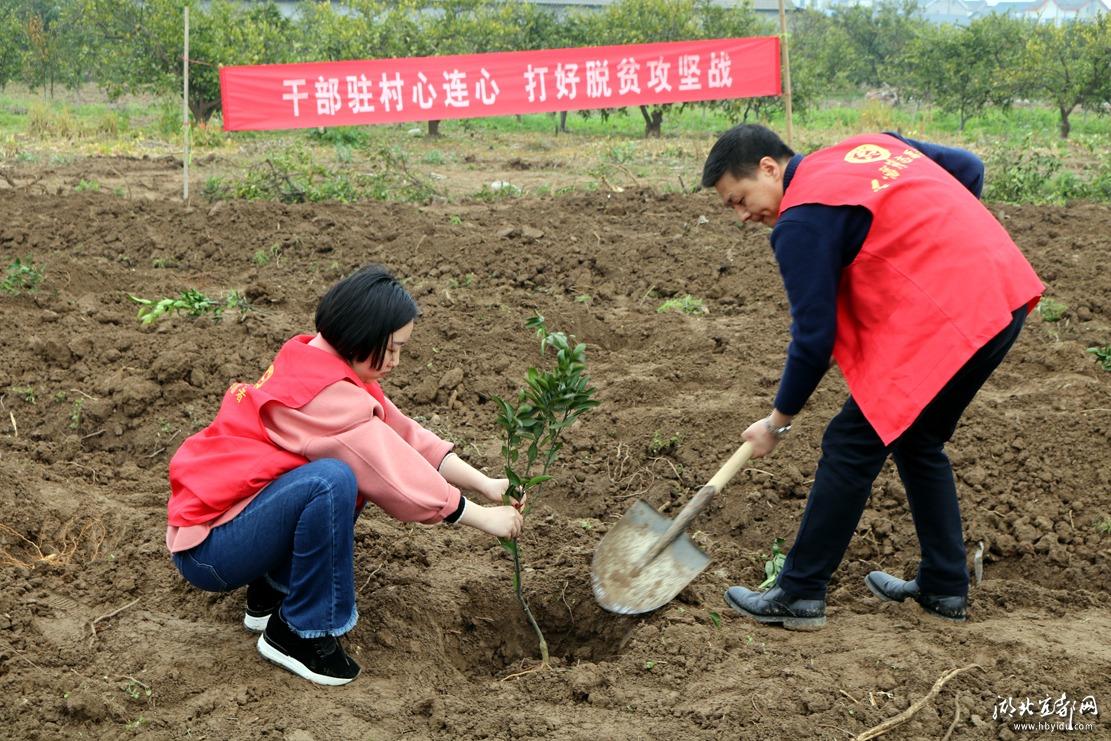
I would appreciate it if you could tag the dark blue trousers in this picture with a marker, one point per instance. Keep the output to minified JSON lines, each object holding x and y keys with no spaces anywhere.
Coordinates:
{"x":852,"y":457}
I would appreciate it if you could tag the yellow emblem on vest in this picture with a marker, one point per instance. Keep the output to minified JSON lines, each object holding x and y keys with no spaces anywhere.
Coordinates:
{"x":866,"y":153}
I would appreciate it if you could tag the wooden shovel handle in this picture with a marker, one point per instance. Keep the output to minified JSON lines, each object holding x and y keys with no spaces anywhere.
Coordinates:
{"x":698,"y":503}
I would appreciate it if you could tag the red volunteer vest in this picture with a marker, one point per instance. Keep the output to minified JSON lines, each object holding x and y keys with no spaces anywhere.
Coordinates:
{"x":233,"y":458}
{"x":936,"y":278}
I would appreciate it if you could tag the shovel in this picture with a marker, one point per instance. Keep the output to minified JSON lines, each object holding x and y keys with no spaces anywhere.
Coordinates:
{"x":647,"y":559}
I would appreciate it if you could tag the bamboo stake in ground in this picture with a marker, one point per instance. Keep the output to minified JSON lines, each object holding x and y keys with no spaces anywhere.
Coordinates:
{"x":907,"y":714}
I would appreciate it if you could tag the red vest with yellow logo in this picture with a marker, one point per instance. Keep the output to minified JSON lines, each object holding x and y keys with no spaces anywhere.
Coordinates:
{"x":936,"y":278}
{"x":233,"y":458}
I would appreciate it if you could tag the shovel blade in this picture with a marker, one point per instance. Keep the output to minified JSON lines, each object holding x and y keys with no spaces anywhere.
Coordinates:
{"x":617,"y":588}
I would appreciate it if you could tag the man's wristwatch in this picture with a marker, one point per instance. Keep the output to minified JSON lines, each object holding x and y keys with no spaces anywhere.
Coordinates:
{"x":777,"y":432}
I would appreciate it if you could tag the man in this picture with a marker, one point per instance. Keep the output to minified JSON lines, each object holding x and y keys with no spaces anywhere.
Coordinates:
{"x":894,"y":268}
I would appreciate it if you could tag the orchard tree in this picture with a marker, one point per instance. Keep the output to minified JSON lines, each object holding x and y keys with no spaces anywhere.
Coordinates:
{"x":466,"y":27}
{"x":145,"y":39}
{"x":963,"y":70}
{"x":329,"y":32}
{"x":231,"y":33}
{"x":15,"y":41}
{"x":51,"y":41}
{"x":642,"y":22}
{"x":653,"y":21}
{"x":1069,"y":66}
{"x":817,"y":51}
{"x":877,"y":36}
{"x":738,"y":21}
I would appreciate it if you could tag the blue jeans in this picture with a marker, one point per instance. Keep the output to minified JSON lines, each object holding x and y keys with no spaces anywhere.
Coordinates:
{"x":852,"y":457}
{"x":298,"y":533}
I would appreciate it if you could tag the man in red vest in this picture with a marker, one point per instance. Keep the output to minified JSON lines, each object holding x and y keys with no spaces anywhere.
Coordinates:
{"x":894,"y":269}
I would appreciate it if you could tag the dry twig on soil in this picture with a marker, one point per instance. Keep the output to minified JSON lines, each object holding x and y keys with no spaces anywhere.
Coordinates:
{"x":956,"y":717}
{"x":536,"y":668}
{"x":105,"y":616}
{"x":907,"y":714}
{"x":563,"y":596}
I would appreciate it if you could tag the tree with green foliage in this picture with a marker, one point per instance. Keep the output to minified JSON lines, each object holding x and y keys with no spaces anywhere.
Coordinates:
{"x":818,"y":69}
{"x":642,"y":22}
{"x":466,"y":27}
{"x":963,"y":70}
{"x":14,"y":46}
{"x":146,"y":42}
{"x":1069,"y":66}
{"x":52,"y":42}
{"x":533,"y":427}
{"x":876,"y":36}
{"x":738,"y":21}
{"x":652,"y":21}
{"x":381,"y":29}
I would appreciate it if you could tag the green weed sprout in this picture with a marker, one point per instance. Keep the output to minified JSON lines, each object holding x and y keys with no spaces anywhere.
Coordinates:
{"x":191,"y":302}
{"x":688,"y":305}
{"x":549,"y":403}
{"x":1103,"y":355}
{"x":1051,"y":310}
{"x":775,"y":565}
{"x":22,"y":275}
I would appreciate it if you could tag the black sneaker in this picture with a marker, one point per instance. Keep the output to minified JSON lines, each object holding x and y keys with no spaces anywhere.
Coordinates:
{"x":262,"y":601}
{"x":320,"y":660}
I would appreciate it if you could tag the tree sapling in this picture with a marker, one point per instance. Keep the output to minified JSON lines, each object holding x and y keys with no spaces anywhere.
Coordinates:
{"x":549,"y":403}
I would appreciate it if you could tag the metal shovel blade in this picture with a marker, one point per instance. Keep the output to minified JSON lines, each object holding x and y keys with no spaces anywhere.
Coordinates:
{"x":617,"y":588}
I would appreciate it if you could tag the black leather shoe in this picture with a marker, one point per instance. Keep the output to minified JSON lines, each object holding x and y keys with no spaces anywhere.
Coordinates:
{"x":776,"y":606}
{"x":892,"y":589}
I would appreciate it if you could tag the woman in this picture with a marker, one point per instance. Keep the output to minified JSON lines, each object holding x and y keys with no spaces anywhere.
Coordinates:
{"x":267,"y":495}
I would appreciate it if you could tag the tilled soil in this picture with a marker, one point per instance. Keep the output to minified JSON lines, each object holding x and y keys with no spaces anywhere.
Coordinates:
{"x":100,"y":637}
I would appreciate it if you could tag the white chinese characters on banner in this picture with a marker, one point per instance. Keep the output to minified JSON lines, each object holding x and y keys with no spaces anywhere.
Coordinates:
{"x":598,"y":79}
{"x":294,"y":94}
{"x":455,"y":89}
{"x":689,"y":75}
{"x":567,"y":81}
{"x":391,"y":92}
{"x":534,"y":83}
{"x":628,"y":72}
{"x":486,"y":89}
{"x":658,"y":70}
{"x":424,"y":93}
{"x":327,"y":96}
{"x":359,"y":96}
{"x":718,"y":76}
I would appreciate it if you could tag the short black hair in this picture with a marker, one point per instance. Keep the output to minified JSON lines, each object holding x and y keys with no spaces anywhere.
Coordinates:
{"x":358,"y":314}
{"x":739,"y":150}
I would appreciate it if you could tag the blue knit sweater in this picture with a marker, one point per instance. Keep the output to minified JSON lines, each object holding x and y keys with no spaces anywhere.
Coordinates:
{"x":812,"y":244}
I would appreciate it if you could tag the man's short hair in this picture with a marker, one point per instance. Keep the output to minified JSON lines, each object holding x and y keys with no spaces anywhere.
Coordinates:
{"x":358,"y":315}
{"x":739,"y":151}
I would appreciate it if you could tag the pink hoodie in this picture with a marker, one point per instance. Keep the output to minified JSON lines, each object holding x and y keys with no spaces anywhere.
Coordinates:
{"x":395,"y":460}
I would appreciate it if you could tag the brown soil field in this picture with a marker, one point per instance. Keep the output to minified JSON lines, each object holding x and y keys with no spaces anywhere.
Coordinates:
{"x":101,"y":638}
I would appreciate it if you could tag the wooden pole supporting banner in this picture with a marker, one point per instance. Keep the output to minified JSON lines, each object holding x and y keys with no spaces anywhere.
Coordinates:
{"x":185,"y":110}
{"x":786,"y":73}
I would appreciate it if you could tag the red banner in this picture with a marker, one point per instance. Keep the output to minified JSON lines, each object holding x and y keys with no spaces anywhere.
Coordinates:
{"x":293,"y":96}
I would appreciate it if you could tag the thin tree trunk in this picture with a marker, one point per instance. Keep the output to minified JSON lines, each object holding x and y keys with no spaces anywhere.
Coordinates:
{"x":543,"y":643}
{"x":653,"y":122}
{"x":1065,"y":125}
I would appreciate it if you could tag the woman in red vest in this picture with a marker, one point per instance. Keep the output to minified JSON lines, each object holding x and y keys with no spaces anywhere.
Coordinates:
{"x":267,"y":495}
{"x":894,"y":269}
